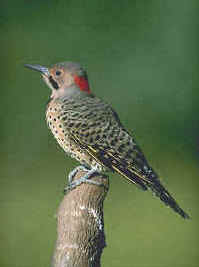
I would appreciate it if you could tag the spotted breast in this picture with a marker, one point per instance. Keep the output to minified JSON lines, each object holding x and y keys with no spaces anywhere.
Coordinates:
{"x":57,"y":122}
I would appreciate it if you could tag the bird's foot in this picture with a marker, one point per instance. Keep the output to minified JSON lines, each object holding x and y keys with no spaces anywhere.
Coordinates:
{"x":86,"y":178}
{"x":74,"y":172}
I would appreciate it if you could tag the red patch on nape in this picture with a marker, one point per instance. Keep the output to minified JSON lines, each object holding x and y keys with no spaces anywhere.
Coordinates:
{"x":82,"y":83}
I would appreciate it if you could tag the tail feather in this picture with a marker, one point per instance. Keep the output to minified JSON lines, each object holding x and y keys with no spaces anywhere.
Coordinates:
{"x":156,"y":187}
{"x":154,"y":184}
{"x":134,"y":174}
{"x":165,"y":197}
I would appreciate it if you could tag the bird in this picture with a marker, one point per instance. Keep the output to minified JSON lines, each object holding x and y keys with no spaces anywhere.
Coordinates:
{"x":89,"y":130}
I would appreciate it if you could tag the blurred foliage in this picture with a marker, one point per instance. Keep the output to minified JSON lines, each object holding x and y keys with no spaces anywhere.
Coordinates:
{"x":142,"y":57}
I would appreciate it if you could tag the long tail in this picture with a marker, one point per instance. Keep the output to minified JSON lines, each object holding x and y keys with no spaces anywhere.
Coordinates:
{"x":134,"y":175}
{"x":155,"y":186}
{"x":165,"y":197}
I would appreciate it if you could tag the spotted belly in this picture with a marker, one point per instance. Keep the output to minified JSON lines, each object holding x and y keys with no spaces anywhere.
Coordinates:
{"x":57,"y":127}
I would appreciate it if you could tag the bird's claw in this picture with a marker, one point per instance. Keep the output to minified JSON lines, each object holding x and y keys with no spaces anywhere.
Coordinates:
{"x":84,"y":179}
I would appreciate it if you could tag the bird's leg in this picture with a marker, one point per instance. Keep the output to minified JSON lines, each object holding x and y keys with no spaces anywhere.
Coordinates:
{"x":86,"y":178}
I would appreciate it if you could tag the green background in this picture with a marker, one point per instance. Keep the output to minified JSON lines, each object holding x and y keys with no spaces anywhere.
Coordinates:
{"x":143,"y":58}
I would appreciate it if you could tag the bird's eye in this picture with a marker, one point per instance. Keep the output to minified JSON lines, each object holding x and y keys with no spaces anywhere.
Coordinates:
{"x":58,"y":72}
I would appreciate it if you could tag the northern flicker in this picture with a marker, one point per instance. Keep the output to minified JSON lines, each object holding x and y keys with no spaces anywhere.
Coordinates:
{"x":89,"y":130}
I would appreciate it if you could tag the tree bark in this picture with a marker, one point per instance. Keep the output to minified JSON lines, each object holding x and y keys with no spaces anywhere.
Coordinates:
{"x":80,"y":225}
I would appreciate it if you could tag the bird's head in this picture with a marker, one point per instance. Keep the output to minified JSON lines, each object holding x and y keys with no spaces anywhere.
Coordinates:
{"x":64,"y":79}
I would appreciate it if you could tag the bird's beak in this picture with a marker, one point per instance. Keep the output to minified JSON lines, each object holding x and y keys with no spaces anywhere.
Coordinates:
{"x":43,"y":70}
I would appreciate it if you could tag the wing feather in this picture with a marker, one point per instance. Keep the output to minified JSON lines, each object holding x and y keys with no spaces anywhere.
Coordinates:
{"x":108,"y":160}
